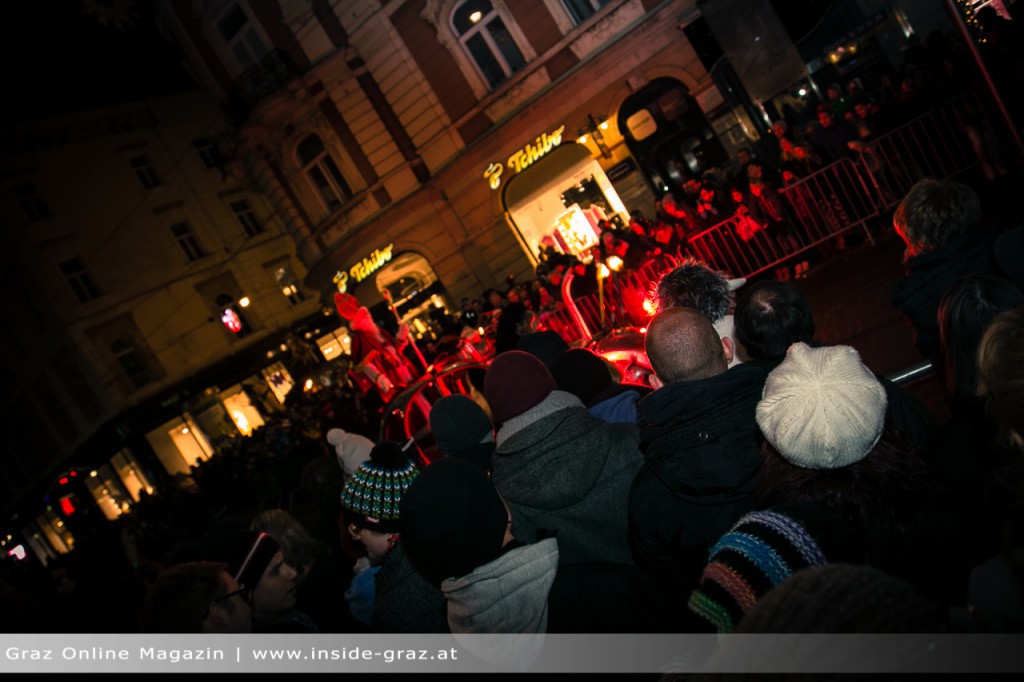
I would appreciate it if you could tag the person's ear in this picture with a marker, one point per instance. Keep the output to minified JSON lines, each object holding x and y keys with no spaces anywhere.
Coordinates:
{"x":655,"y":381}
{"x":729,"y":348}
{"x":217,"y":616}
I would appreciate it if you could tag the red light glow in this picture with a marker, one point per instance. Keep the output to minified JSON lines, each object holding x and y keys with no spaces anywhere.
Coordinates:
{"x":67,"y":507}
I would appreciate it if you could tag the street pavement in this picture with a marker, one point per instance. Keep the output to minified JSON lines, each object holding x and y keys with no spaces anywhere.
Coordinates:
{"x":849,"y":294}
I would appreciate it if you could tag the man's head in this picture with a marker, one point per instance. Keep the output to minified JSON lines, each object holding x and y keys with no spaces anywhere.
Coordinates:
{"x":256,"y":562}
{"x":197,"y":597}
{"x":780,"y":128}
{"x":744,"y":156}
{"x":682,"y":345}
{"x":277,"y":590}
{"x":770,"y":317}
{"x":693,"y":284}
{"x":934,"y":212}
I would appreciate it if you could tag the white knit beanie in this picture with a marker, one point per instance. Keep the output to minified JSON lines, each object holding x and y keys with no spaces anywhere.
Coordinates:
{"x":351,"y":448}
{"x":822,"y":408}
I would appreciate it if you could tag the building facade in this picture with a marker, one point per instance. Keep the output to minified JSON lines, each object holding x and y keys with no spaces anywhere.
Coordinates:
{"x":451,"y":136}
{"x":135,"y":264}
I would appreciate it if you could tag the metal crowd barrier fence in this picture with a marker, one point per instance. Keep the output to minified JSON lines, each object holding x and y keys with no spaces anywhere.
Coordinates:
{"x":621,"y":304}
{"x":814,"y":211}
{"x":817,"y":211}
{"x":945,"y":141}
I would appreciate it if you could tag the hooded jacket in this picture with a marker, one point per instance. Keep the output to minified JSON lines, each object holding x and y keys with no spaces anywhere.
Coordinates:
{"x":560,"y":469}
{"x":506,"y":596}
{"x":702,"y":450}
{"x":927,"y":277}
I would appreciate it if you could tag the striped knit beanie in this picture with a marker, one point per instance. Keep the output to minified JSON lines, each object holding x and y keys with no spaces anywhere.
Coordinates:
{"x":372,"y":494}
{"x":761,"y":550}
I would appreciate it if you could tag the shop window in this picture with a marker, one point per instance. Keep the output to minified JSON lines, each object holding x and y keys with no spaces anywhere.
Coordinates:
{"x":279,"y":380}
{"x":246,"y":217}
{"x":243,"y":413}
{"x":144,"y":171}
{"x":30,"y":203}
{"x":133,"y":362}
{"x":485,"y":38}
{"x":78,"y":278}
{"x":133,"y":478}
{"x":187,"y":241}
{"x":323,"y":173}
{"x":416,"y":294}
{"x":190,"y":443}
{"x":55,"y":531}
{"x":581,"y":10}
{"x":108,"y":493}
{"x":240,"y":37}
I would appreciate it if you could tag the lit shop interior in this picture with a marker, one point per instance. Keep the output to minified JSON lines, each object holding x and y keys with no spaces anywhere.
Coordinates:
{"x":559,"y":200}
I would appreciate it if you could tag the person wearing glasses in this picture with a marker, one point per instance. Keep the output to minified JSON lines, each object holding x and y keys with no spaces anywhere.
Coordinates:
{"x":197,"y":597}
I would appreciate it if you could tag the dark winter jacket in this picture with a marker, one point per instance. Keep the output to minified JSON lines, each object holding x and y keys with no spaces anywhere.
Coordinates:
{"x":927,"y":277}
{"x":560,"y":469}
{"x":405,"y":601}
{"x":701,"y":447}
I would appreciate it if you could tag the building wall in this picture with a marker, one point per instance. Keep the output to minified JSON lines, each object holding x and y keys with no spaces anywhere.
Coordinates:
{"x":61,"y":370}
{"x":408,"y":102}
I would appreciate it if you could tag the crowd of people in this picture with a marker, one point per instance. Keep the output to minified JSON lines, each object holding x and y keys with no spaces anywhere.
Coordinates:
{"x":755,"y":461}
{"x":759,"y":481}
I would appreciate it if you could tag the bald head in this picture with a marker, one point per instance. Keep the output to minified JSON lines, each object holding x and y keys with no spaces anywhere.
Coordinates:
{"x":682,"y":345}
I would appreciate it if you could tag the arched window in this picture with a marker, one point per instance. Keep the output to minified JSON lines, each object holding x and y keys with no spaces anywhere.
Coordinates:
{"x":132,"y":361}
{"x":323,"y":173}
{"x":484,"y":36}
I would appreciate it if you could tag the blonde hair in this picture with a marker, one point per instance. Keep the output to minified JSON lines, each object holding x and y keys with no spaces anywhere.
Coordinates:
{"x":1001,"y":368}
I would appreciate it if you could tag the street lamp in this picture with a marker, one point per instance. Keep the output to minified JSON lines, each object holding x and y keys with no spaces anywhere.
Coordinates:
{"x":594,"y":128}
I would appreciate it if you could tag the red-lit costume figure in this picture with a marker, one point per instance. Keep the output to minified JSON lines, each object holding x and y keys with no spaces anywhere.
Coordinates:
{"x":377,"y":354}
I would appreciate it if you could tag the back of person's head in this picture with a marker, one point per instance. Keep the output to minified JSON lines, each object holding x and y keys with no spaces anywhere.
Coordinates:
{"x":682,"y":345}
{"x":842,"y":598}
{"x":516,"y":382}
{"x":934,"y":212}
{"x":821,"y":407}
{"x":966,"y":310}
{"x":299,"y":547}
{"x":770,"y":317}
{"x":761,"y":550}
{"x":321,"y":481}
{"x":1001,"y":366}
{"x":509,"y":328}
{"x":453,"y":520}
{"x":458,"y":424}
{"x":692,"y":284}
{"x":582,"y":373}
{"x":180,"y":599}
{"x":823,"y":416}
{"x":546,"y":345}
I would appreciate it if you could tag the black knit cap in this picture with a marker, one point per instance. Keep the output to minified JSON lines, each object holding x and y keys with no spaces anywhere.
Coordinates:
{"x":581,"y":373}
{"x":453,"y":520}
{"x":458,"y":423}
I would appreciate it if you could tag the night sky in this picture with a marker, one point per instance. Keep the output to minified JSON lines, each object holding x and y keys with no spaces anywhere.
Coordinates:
{"x":60,"y":59}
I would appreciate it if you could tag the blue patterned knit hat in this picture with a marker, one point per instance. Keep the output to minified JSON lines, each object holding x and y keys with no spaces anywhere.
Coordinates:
{"x":762,"y":549}
{"x":372,"y":494}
